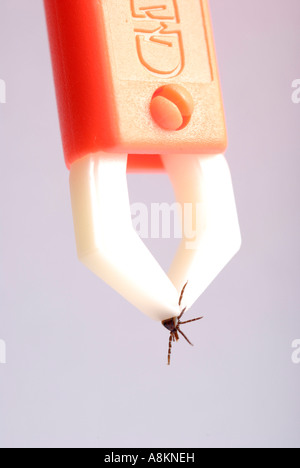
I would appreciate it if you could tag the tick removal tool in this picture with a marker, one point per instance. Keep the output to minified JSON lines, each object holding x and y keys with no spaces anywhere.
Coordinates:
{"x":138,"y":91}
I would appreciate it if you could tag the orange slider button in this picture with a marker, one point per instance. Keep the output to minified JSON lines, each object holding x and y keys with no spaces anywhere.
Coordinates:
{"x":172,"y":107}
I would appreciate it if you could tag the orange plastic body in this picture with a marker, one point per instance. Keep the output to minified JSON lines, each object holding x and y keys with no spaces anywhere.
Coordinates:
{"x":111,"y":56}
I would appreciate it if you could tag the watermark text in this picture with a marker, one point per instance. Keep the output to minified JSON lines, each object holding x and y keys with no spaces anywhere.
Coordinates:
{"x":2,"y":91}
{"x":296,"y":92}
{"x":2,"y":352}
{"x":296,"y":352}
{"x":166,"y":221}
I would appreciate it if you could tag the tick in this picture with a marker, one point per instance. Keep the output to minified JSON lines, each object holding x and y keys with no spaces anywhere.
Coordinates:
{"x":173,"y":325}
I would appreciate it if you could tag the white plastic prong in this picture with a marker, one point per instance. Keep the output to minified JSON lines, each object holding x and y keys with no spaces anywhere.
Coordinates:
{"x":106,"y":240}
{"x":203,"y":188}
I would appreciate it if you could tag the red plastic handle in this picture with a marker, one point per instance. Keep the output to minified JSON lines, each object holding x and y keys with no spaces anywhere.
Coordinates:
{"x":135,"y":76}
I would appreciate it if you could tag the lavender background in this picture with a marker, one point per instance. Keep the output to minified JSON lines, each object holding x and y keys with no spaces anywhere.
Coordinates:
{"x":84,"y":368}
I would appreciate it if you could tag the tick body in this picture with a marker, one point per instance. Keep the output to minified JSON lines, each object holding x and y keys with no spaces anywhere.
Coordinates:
{"x":173,"y":326}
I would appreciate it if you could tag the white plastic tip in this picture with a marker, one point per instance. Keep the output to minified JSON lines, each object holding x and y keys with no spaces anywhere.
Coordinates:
{"x":109,"y":246}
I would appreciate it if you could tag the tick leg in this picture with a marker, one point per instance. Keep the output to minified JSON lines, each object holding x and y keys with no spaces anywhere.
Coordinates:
{"x":188,"y":321}
{"x":170,"y":348}
{"x":182,"y":312}
{"x":182,"y":293}
{"x":184,"y":336}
